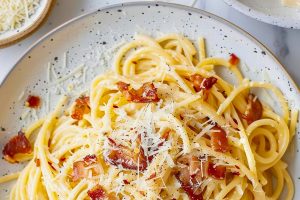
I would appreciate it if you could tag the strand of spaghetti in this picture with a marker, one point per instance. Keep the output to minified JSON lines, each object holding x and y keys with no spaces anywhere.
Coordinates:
{"x":293,"y":122}
{"x":182,"y":132}
{"x":9,"y":177}
{"x":289,"y":184}
{"x":76,"y":190}
{"x":107,"y":118}
{"x":35,"y":183}
{"x":29,"y":184}
{"x":187,"y":101}
{"x":260,"y":155}
{"x":179,"y":80}
{"x":214,"y":62}
{"x":247,"y":85}
{"x":188,"y":48}
{"x":236,"y":181}
{"x":259,"y":123}
{"x":13,"y":192}
{"x":145,"y":53}
{"x":23,"y":181}
{"x":139,"y":41}
{"x":202,"y":51}
{"x":283,"y":137}
{"x":178,"y":57}
{"x":83,"y":195}
{"x":34,"y":127}
{"x":277,"y":171}
{"x":41,"y":144}
{"x":209,"y":111}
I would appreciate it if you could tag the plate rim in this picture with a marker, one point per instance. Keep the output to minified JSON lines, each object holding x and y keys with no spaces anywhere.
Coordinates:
{"x":261,"y":16}
{"x":153,"y":3}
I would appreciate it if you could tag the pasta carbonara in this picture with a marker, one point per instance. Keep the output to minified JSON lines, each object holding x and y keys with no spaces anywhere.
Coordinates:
{"x":161,"y":125}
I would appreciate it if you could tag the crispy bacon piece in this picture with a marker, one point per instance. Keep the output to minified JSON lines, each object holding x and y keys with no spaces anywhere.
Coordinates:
{"x":17,"y":144}
{"x":90,"y":159}
{"x":145,"y":94}
{"x":79,"y":171}
{"x":191,"y":171}
{"x":254,"y":109}
{"x":201,"y":83}
{"x":128,"y":159}
{"x":217,"y":172}
{"x":235,"y":173}
{"x":219,"y":140}
{"x":82,"y":106}
{"x":207,"y":83}
{"x":97,"y":193}
{"x":37,"y":162}
{"x":80,"y":167}
{"x":123,"y":86}
{"x":234,"y":60}
{"x":33,"y":101}
{"x":193,"y":195}
{"x":190,"y":174}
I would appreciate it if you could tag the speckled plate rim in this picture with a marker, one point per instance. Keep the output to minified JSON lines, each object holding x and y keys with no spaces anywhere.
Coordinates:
{"x":145,"y":3}
{"x":261,"y":16}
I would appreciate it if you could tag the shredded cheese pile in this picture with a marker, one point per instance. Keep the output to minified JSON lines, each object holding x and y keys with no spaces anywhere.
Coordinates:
{"x":13,"y":13}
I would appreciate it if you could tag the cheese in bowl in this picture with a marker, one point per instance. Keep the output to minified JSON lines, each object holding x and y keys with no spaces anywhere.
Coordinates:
{"x":13,"y":13}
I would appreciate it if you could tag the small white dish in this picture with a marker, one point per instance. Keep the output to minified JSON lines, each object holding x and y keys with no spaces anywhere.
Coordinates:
{"x":11,"y":36}
{"x":269,"y":11}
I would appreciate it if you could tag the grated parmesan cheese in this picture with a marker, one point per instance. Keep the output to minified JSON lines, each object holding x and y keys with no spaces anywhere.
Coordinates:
{"x":21,"y":95}
{"x":14,"y":13}
{"x":77,"y":71}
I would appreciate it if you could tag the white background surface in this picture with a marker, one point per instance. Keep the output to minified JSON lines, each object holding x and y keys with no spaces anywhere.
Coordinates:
{"x":284,"y":43}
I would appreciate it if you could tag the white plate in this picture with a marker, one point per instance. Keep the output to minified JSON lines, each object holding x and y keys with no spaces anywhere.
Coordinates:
{"x":89,"y":38}
{"x":269,"y":11}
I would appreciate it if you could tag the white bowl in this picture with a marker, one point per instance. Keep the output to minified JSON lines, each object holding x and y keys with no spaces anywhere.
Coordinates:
{"x":11,"y":36}
{"x":269,"y":11}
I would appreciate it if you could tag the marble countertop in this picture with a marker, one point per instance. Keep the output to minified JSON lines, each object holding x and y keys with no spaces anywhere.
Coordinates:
{"x":284,"y":43}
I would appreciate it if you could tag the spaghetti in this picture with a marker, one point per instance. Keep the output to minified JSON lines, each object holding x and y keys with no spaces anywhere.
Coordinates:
{"x":161,"y":125}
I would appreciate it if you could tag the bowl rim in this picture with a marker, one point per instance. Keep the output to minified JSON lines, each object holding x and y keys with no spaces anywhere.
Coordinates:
{"x":280,"y":21}
{"x":154,"y":3}
{"x":34,"y":25}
